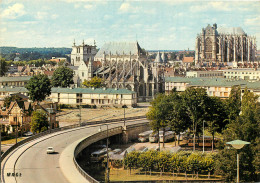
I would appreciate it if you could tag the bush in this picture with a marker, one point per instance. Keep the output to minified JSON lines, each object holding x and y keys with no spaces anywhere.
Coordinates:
{"x":65,"y":106}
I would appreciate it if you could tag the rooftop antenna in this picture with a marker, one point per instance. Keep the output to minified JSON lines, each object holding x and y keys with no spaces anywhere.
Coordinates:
{"x":74,"y":42}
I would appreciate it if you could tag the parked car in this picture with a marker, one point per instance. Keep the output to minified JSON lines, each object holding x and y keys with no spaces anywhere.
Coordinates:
{"x":50,"y":150}
{"x":27,"y":134}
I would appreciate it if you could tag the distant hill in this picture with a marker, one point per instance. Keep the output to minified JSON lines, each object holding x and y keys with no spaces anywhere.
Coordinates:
{"x":9,"y":53}
{"x":8,"y":50}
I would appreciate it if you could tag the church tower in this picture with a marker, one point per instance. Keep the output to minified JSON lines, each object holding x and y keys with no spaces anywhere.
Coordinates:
{"x":82,"y":52}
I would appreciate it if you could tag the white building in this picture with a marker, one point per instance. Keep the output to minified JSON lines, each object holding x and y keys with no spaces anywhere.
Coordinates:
{"x":205,"y":74}
{"x":77,"y":96}
{"x":218,"y":87}
{"x":243,"y":73}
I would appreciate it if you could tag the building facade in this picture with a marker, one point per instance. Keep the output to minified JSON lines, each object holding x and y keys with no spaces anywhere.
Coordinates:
{"x":224,"y":45}
{"x":242,"y":73}
{"x":205,"y":74}
{"x":125,"y":65}
{"x":218,"y":87}
{"x":77,"y":96}
{"x":82,"y":52}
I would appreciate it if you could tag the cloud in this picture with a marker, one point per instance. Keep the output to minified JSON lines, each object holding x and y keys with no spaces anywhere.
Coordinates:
{"x":41,"y":15}
{"x":88,"y":6}
{"x":253,"y":21}
{"x":125,"y":7}
{"x":54,"y":16}
{"x":3,"y":30}
{"x":13,"y":12}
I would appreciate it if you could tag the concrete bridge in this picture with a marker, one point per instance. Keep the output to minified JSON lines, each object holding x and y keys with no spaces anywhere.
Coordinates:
{"x":30,"y":163}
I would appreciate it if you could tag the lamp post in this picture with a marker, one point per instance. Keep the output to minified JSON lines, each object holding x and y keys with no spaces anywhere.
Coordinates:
{"x":107,"y":180}
{"x":124,"y":114}
{"x":203,"y":137}
{"x":238,"y":144}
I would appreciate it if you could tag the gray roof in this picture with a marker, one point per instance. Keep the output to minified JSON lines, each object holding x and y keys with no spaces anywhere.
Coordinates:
{"x":73,"y":67}
{"x":215,"y":82}
{"x":119,"y":48}
{"x":158,"y":58}
{"x":73,"y":90}
{"x":16,"y":78}
{"x":231,"y":30}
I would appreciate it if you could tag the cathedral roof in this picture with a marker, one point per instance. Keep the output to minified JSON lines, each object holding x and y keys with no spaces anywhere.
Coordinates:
{"x":119,"y":48}
{"x":231,"y":30}
{"x":158,"y":58}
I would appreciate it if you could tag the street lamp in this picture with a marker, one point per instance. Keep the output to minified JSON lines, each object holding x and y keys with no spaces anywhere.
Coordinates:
{"x":238,"y":144}
{"x":203,"y":136}
{"x":124,"y":106}
{"x":107,"y":151}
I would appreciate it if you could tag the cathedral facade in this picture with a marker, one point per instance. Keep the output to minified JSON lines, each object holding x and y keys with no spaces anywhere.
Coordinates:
{"x":125,"y":65}
{"x":224,"y":45}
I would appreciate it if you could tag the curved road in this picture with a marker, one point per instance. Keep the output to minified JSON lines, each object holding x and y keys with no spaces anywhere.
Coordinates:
{"x":36,"y":166}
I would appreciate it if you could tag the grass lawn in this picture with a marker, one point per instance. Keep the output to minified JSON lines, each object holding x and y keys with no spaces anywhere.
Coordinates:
{"x":120,"y":174}
{"x":12,"y":141}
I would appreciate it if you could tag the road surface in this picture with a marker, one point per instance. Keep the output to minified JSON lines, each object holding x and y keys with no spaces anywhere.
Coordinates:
{"x":33,"y":165}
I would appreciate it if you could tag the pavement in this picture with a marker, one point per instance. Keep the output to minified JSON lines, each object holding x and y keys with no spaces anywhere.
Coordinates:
{"x":34,"y":165}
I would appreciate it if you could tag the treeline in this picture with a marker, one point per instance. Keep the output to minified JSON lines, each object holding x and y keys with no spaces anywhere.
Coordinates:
{"x":235,"y":118}
{"x":176,"y":163}
{"x":25,"y":54}
{"x":37,"y":63}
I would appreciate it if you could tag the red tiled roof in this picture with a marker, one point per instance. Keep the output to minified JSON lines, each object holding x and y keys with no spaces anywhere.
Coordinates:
{"x":187,"y":59}
{"x":48,"y":73}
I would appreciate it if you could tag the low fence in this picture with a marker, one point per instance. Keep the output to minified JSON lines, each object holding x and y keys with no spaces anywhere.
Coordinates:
{"x":88,"y":141}
{"x":62,"y":129}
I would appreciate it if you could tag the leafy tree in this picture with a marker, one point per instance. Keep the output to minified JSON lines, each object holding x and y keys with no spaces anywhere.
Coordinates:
{"x":39,"y":122}
{"x":215,"y":116}
{"x":3,"y":67}
{"x":233,"y":103}
{"x":39,"y":87}
{"x":245,"y":127}
{"x":62,"y":76}
{"x":194,"y":100}
{"x":95,"y":82}
{"x":178,"y":120}
{"x":158,"y":113}
{"x":12,"y":98}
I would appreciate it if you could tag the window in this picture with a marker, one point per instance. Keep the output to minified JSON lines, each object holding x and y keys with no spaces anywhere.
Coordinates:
{"x":82,"y":74}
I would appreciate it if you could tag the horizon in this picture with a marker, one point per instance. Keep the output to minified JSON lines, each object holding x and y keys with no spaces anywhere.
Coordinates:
{"x":156,"y":25}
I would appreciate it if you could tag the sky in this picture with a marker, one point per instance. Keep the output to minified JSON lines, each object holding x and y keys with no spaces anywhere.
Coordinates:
{"x":155,"y":24}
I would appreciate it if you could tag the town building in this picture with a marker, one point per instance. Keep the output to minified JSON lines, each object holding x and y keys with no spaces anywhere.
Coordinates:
{"x":224,"y":46}
{"x":80,"y":96}
{"x":219,"y":87}
{"x":14,"y":81}
{"x":242,"y":73}
{"x":205,"y":74}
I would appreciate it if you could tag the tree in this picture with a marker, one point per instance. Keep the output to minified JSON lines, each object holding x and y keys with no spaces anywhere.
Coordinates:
{"x":62,"y":76}
{"x":194,"y":100}
{"x":3,"y":67}
{"x":95,"y":82}
{"x":39,"y":122}
{"x":178,"y":121}
{"x":233,"y":103}
{"x":215,"y":116}
{"x":158,"y":113}
{"x":245,"y":126}
{"x":8,"y":100}
{"x":39,"y":87}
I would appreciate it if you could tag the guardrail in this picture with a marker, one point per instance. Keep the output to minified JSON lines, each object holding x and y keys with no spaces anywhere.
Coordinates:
{"x":92,"y":139}
{"x":62,"y":129}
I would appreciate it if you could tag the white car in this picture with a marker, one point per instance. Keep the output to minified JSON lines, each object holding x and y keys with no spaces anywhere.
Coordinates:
{"x":50,"y":150}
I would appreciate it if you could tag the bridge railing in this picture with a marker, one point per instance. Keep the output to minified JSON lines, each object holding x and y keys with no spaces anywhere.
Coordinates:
{"x":88,"y":141}
{"x":62,"y":129}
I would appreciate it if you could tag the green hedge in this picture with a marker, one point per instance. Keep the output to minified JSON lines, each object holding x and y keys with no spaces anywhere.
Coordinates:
{"x":171,"y":162}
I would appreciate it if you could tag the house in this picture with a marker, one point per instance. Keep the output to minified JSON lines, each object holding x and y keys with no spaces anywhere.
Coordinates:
{"x":187,"y":61}
{"x":19,"y":115}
